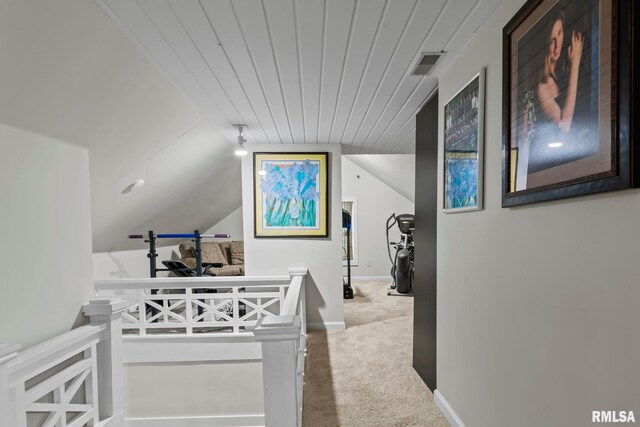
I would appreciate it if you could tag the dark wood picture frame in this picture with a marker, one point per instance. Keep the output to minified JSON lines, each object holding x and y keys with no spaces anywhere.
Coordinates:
{"x":319,"y":230}
{"x":624,"y":101}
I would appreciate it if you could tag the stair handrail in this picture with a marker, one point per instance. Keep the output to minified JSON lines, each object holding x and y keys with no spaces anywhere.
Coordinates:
{"x":89,"y":355}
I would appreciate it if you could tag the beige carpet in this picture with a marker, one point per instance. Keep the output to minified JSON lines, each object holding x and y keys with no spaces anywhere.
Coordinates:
{"x":363,"y":376}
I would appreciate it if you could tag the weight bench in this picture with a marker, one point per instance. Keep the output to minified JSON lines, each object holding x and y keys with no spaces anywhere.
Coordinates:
{"x":181,"y":269}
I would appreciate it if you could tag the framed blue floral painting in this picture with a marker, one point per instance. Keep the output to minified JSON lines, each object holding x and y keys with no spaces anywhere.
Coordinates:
{"x":290,"y":194}
{"x":463,"y":147}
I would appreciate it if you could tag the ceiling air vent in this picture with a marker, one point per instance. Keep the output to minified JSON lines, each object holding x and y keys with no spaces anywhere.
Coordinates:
{"x":425,"y":63}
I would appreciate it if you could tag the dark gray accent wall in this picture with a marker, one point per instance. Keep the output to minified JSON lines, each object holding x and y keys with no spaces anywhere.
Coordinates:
{"x":424,"y":311}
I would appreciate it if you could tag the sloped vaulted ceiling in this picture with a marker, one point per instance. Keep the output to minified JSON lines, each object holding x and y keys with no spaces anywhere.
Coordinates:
{"x":152,"y":88}
{"x":398,"y":171}
{"x":68,"y":71}
{"x":305,"y":71}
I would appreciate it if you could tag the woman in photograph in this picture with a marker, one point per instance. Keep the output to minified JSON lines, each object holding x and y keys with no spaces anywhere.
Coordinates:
{"x":548,"y":89}
{"x":556,"y":95}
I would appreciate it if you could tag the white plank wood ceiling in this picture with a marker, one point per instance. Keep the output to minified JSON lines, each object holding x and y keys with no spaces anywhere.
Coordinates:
{"x":304,"y":71}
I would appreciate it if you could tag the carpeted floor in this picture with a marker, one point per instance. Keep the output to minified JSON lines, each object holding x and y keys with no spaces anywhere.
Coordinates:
{"x":363,"y":376}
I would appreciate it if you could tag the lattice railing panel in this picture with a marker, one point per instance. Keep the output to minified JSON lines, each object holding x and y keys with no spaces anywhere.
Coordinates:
{"x":62,"y":395}
{"x":65,"y":390}
{"x":71,"y":380}
{"x":257,"y":306}
{"x":131,"y":315}
{"x":200,"y":310}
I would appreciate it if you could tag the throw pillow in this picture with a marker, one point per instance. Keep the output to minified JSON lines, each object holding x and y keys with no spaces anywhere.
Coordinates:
{"x":211,"y":252}
{"x":186,"y":250}
{"x":226,"y":250}
{"x":237,"y":252}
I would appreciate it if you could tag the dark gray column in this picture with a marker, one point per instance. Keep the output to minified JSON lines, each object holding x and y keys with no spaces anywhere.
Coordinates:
{"x":424,"y":312}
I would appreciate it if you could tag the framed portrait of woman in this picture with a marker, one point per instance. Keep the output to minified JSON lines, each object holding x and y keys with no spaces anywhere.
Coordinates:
{"x":567,"y":99}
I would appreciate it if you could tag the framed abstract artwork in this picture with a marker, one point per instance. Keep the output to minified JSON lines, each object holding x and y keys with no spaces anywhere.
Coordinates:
{"x":567,"y":82}
{"x":464,"y":147}
{"x":290,"y":194}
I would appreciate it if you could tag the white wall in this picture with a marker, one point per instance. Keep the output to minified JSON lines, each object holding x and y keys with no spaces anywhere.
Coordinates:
{"x":45,"y":226}
{"x":376,"y":202}
{"x":398,"y":171}
{"x":101,"y":91}
{"x":205,"y":389}
{"x":231,"y":224}
{"x":537,"y":305}
{"x":322,"y":257}
{"x":120,"y":264}
{"x":134,"y":263}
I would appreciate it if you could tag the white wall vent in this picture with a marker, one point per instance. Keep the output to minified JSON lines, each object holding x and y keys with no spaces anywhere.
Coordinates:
{"x":425,"y":63}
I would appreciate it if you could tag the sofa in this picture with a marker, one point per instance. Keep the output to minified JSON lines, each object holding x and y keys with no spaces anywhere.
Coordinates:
{"x":228,"y":253}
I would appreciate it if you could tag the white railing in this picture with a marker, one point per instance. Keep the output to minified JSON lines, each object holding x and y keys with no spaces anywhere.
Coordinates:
{"x":72,"y":380}
{"x":196,"y":305}
{"x":186,"y":319}
{"x":75,"y":379}
{"x":283,"y":339}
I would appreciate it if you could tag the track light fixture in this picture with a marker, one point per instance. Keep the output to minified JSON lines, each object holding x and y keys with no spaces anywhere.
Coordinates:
{"x":241,"y":149}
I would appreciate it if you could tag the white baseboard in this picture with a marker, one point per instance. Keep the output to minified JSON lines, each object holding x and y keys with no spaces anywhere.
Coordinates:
{"x":329,"y":326}
{"x":447,"y":410}
{"x":387,"y":277}
{"x":213,"y":421}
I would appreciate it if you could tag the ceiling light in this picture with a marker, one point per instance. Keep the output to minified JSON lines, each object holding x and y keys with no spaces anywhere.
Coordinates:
{"x":555,"y":144}
{"x":241,"y":149}
{"x":133,"y":186}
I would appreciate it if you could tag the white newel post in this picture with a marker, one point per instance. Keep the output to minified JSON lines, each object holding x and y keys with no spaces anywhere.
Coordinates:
{"x":302,"y":272}
{"x":279,"y":336}
{"x":109,"y":355}
{"x":7,"y":412}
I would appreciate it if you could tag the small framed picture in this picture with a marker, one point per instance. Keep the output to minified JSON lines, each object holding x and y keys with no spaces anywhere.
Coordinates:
{"x":566,"y":99}
{"x":464,"y":147}
{"x":291,"y":194}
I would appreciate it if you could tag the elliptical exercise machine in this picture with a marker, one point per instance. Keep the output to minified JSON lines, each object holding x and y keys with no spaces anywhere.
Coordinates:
{"x":402,"y":265}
